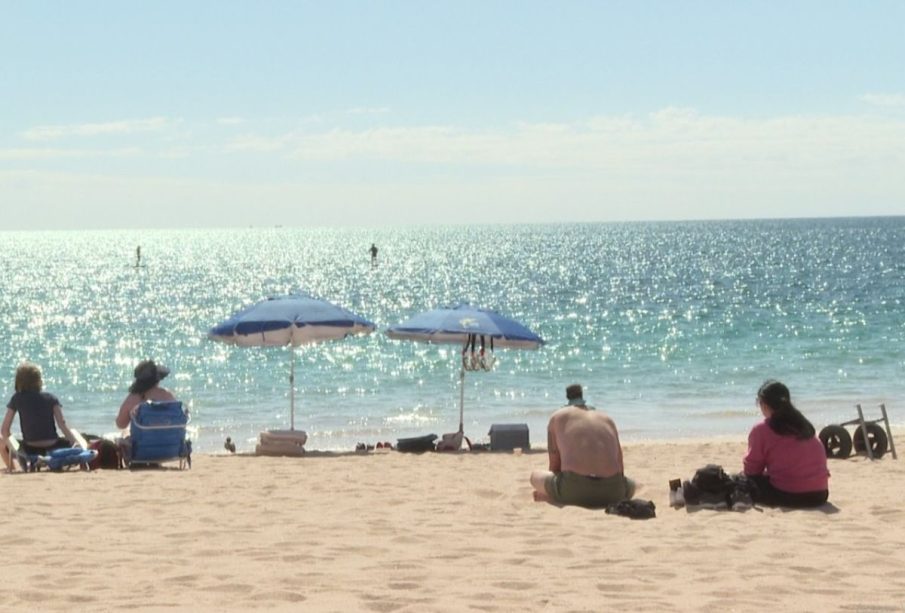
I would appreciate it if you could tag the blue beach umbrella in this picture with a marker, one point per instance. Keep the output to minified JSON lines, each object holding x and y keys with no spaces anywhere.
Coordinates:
{"x":297,"y":319}
{"x":477,"y":330}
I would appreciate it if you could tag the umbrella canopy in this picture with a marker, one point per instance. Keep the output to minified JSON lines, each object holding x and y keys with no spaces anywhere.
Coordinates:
{"x":296,"y":319}
{"x":456,"y":324}
{"x":464,"y":324}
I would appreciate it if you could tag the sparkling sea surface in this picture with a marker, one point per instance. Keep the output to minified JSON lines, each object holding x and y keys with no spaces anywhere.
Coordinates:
{"x":671,"y":326}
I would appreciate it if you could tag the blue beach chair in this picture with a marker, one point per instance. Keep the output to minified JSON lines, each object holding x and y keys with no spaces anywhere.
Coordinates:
{"x":55,"y":460}
{"x":158,"y":434}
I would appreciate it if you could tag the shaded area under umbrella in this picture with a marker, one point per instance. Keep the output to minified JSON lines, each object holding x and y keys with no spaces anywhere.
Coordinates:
{"x":477,"y":330}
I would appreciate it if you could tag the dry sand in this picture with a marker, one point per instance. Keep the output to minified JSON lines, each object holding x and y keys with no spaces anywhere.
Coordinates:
{"x":440,"y":532}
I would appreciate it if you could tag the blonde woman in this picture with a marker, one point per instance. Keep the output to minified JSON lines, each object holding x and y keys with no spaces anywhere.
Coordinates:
{"x":40,"y":413}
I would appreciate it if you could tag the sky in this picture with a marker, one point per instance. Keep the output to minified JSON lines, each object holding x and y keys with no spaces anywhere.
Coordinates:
{"x":173,"y":114}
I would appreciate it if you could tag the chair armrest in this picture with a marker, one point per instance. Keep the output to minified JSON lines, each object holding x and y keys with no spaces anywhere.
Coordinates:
{"x":12,"y":446}
{"x":79,"y":439}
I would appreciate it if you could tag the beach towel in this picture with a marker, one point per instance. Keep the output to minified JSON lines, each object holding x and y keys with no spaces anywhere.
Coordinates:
{"x":58,"y":459}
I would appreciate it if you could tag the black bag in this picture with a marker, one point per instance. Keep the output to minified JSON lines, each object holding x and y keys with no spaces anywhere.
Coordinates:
{"x":712,"y":479}
{"x":108,"y":455}
{"x":712,"y":488}
{"x":416,"y":444}
{"x":636,"y":508}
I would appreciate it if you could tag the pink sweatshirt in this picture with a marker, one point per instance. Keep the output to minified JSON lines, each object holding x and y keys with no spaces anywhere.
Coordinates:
{"x":793,"y":465}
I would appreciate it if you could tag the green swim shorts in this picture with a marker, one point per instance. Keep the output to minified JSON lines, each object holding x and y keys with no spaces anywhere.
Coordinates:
{"x":591,"y":492}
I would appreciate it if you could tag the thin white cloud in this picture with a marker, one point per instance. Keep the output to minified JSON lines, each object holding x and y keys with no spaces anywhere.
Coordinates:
{"x":51,"y":153}
{"x":675,"y":163}
{"x":671,"y":138}
{"x":884,"y":100}
{"x":129,"y":126}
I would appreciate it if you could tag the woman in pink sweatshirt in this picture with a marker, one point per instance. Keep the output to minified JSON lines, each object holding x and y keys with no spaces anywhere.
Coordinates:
{"x":785,"y":460}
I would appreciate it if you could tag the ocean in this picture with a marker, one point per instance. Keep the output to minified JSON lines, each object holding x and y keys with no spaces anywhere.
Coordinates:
{"x":671,"y":327}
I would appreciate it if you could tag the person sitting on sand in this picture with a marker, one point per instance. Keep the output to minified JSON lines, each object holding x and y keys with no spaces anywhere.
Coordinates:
{"x":585,"y":458}
{"x":785,"y":460}
{"x":39,"y":415}
{"x":145,"y":387}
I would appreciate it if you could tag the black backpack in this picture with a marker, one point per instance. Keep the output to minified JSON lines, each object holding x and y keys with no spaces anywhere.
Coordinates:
{"x":712,"y":487}
{"x":712,"y":479}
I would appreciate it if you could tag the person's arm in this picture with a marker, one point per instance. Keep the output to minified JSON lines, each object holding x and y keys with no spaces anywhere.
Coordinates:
{"x":5,"y":433}
{"x":125,"y":410}
{"x":553,"y":450}
{"x":7,"y":424}
{"x":61,"y":423}
{"x":755,"y":461}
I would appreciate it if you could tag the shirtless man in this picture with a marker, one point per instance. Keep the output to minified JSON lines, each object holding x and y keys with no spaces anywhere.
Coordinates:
{"x":585,"y":458}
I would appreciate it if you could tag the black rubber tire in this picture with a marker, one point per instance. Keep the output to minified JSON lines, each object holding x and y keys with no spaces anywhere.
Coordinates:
{"x":836,"y":442}
{"x":877,"y":438}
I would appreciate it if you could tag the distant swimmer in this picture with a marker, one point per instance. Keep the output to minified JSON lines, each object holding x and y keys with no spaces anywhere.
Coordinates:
{"x":373,"y":254}
{"x":138,"y":256}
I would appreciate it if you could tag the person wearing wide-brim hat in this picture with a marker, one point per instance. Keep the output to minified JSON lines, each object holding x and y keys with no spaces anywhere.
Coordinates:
{"x":146,"y":386}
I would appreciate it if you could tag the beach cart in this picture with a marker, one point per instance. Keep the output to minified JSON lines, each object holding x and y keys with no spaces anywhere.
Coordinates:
{"x":868,"y":437}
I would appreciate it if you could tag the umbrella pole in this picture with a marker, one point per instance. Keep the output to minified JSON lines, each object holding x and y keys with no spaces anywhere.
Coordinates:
{"x":461,"y":398}
{"x":292,"y":388}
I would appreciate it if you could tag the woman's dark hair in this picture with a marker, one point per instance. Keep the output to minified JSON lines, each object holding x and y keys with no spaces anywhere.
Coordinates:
{"x":141,"y":386}
{"x":786,"y":420}
{"x":146,"y":377}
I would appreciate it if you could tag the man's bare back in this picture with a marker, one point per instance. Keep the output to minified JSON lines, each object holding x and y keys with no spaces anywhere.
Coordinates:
{"x":586,"y":466}
{"x":584,"y":441}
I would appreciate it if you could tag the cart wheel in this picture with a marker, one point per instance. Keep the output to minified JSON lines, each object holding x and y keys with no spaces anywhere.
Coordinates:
{"x":836,"y":441}
{"x":876,"y":436}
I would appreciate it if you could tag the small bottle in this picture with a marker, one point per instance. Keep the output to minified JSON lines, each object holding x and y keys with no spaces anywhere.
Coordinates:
{"x":676,"y":495}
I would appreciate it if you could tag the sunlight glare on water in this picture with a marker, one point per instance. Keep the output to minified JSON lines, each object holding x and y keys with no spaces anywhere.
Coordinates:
{"x":670,"y":326}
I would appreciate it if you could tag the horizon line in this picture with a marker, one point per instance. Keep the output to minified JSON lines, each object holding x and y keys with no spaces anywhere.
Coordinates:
{"x":450,"y":225}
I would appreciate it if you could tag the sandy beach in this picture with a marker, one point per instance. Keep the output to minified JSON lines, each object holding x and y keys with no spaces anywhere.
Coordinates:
{"x":440,"y":532}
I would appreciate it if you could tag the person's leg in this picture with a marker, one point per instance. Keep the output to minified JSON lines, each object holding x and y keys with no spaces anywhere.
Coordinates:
{"x":763,"y":491}
{"x":766,"y":494}
{"x":801,"y":500}
{"x":539,"y":480}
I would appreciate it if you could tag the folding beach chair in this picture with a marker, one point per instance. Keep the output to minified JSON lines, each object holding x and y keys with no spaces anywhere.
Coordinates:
{"x":158,"y":434}
{"x":55,"y":460}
